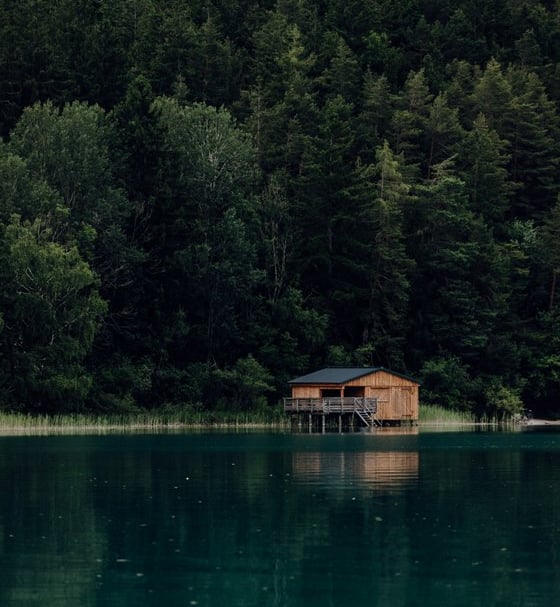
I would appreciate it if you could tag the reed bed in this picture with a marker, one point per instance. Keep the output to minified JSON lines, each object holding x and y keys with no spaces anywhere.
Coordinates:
{"x":78,"y":423}
{"x":433,"y":415}
{"x":178,"y":420}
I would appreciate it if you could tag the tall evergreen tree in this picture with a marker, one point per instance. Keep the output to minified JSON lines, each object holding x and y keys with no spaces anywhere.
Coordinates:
{"x":383,"y":198}
{"x":535,"y":153}
{"x":410,"y":119}
{"x":483,"y":169}
{"x":374,"y":117}
{"x":325,"y":175}
{"x":456,"y":289}
{"x":444,"y":132}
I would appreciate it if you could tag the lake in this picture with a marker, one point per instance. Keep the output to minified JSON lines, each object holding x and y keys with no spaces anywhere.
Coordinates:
{"x":415,"y":519}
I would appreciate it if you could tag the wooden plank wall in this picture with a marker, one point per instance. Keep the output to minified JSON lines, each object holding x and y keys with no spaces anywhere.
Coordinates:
{"x":306,"y":391}
{"x":381,"y":379}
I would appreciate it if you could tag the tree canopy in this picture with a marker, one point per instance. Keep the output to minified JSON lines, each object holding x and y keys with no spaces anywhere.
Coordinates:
{"x":200,"y":200}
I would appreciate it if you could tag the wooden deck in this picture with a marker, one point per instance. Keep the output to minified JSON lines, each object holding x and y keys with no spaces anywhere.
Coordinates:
{"x":329,"y":405}
{"x":364,"y":408}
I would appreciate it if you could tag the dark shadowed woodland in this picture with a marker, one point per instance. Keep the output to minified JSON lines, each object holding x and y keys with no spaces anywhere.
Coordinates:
{"x":202,"y":200}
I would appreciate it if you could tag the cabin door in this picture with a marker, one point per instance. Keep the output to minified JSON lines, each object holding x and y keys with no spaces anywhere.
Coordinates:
{"x":402,"y":402}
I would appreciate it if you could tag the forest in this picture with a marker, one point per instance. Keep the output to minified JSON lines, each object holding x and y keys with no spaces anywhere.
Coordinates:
{"x":201,"y":199}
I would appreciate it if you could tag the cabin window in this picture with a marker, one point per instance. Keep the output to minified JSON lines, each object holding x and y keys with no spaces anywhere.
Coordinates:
{"x":329,"y":393}
{"x":354,"y":391}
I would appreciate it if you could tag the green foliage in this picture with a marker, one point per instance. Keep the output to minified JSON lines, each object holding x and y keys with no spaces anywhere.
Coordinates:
{"x":381,"y":197}
{"x":246,"y":383}
{"x":457,"y":285}
{"x":203,"y":215}
{"x":121,"y":384}
{"x":199,"y":201}
{"x":502,"y":401}
{"x":52,"y":310}
{"x":70,"y":150}
{"x":483,"y":163}
{"x":23,"y":194}
{"x":446,"y":383}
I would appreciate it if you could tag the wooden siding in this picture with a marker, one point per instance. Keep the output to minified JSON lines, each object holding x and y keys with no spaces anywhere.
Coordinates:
{"x":381,"y":379}
{"x":306,"y":391}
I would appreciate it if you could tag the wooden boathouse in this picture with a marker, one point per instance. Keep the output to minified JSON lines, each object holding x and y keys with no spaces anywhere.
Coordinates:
{"x":372,"y":396}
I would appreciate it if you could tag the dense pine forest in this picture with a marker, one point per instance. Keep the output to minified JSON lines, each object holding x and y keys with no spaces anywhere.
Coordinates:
{"x":202,"y":199}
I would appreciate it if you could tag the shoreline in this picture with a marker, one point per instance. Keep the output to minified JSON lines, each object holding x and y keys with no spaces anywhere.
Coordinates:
{"x":176,"y":427}
{"x":16,"y":424}
{"x":541,"y":422}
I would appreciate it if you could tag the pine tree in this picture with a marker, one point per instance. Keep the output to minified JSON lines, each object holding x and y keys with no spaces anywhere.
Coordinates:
{"x":535,"y":153}
{"x":326,"y":170}
{"x":374,"y":118}
{"x":493,"y":97}
{"x":388,"y":266}
{"x":341,"y":76}
{"x":551,"y":242}
{"x":457,"y":289}
{"x":410,"y":120}
{"x":443,"y":131}
{"x":483,"y":169}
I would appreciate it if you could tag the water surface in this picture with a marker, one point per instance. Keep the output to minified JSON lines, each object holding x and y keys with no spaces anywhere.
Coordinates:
{"x":429,"y":519}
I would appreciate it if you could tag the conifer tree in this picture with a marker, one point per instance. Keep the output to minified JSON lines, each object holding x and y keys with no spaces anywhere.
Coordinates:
{"x":410,"y":119}
{"x":388,"y":264}
{"x":535,"y":152}
{"x":374,"y":117}
{"x":444,"y":132}
{"x":456,"y":283}
{"x":483,"y":169}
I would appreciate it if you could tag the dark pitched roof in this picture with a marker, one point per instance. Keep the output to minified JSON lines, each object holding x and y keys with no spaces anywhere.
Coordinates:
{"x":341,"y":375}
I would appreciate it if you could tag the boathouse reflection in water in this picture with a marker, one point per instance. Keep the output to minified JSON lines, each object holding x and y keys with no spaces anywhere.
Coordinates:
{"x":380,"y":471}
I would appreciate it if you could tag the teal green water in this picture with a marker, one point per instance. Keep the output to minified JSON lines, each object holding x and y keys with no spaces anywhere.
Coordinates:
{"x":213,"y":520}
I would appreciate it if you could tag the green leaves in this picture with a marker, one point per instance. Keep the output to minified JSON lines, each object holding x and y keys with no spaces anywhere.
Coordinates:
{"x":52,"y":311}
{"x":248,"y":383}
{"x":377,"y":181}
{"x":458,"y":277}
{"x":215,"y":158}
{"x":54,"y":288}
{"x":69,"y":150}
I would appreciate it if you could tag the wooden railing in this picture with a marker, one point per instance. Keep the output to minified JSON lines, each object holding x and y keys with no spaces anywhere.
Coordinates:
{"x":331,"y":404}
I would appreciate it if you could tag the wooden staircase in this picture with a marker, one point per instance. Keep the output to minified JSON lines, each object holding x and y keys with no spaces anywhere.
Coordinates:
{"x":367,"y":412}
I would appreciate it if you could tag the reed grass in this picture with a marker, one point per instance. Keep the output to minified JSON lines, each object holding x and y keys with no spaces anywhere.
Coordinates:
{"x":431,"y":414}
{"x":75,"y":423}
{"x":186,"y":418}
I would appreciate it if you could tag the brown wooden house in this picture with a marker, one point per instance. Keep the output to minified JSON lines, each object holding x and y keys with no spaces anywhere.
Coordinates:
{"x":377,"y":396}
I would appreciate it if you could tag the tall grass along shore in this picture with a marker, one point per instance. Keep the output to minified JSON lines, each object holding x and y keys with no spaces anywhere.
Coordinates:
{"x":76,"y":423}
{"x":274,"y":419}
